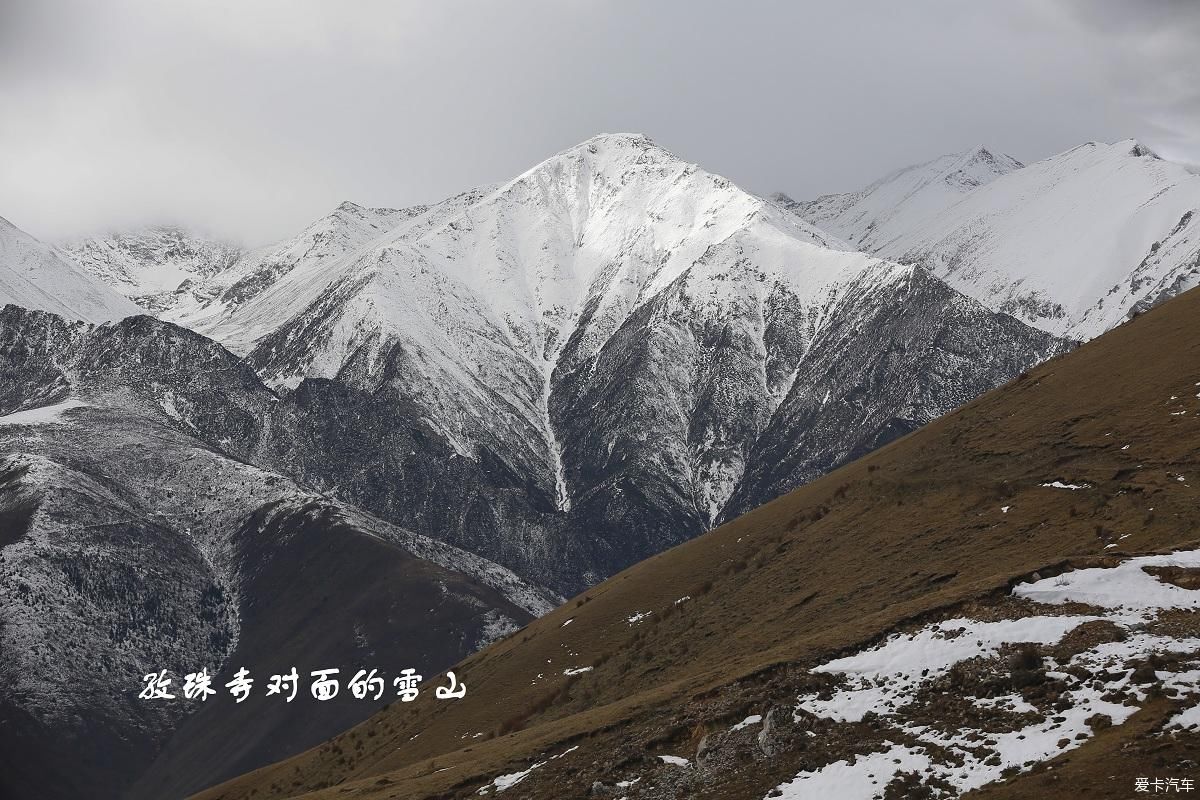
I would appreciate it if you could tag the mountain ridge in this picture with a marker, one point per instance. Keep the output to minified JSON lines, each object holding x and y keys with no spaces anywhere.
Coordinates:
{"x":138,"y":535}
{"x":902,"y":200}
{"x":1018,"y":244}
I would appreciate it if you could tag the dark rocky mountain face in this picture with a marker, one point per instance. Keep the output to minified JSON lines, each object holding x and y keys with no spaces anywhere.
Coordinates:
{"x":602,"y":358}
{"x":879,"y":373}
{"x":680,"y":422}
{"x":683,"y":418}
{"x":137,"y":537}
{"x":376,"y":451}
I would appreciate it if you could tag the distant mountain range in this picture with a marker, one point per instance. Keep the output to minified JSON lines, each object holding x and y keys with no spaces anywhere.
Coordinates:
{"x":507,"y":397}
{"x":1073,"y":244}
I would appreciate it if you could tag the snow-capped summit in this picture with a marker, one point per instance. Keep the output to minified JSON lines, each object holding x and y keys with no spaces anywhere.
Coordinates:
{"x":34,"y":276}
{"x":1072,"y":244}
{"x":505,"y":314}
{"x":491,"y":293}
{"x":903,"y":200}
{"x":149,"y":264}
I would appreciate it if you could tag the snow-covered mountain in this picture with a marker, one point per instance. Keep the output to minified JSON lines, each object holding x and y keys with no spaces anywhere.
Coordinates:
{"x":904,"y":200}
{"x":502,"y":398}
{"x":32,"y":275}
{"x":474,"y":316}
{"x":1072,"y":244}
{"x":154,"y":265}
{"x":600,"y":345}
{"x":181,"y":275}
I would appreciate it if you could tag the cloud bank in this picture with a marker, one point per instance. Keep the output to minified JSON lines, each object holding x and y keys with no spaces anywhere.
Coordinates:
{"x":249,"y":119}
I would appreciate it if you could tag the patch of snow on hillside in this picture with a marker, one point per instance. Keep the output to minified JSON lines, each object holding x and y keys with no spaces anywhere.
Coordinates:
{"x":862,"y":779}
{"x":1126,"y":586}
{"x":886,"y":681}
{"x":505,"y":782}
{"x":753,"y":719}
{"x":1061,"y":485}
{"x":46,"y":415}
{"x":1188,"y":719}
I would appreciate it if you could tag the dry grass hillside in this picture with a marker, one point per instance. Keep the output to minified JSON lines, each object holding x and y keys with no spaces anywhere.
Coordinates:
{"x":940,"y":525}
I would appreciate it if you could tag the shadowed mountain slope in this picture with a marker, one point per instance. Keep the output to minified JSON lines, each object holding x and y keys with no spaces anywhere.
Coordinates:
{"x":136,"y":537}
{"x":987,"y":538}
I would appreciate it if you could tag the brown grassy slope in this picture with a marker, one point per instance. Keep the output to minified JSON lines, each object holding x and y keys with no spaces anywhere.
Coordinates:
{"x":908,"y":530}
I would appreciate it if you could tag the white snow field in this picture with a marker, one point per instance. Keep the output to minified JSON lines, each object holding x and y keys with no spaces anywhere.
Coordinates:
{"x":885,"y":680}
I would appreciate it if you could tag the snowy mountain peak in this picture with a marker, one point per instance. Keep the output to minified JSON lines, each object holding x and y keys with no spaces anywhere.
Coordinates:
{"x":1141,"y":151}
{"x":498,"y":312}
{"x":149,"y":264}
{"x":1071,"y":244}
{"x":506,"y":291}
{"x":608,"y":154}
{"x":904,"y":199}
{"x":1091,"y":151}
{"x":374,"y":215}
{"x":979,"y":165}
{"x":618,"y":140}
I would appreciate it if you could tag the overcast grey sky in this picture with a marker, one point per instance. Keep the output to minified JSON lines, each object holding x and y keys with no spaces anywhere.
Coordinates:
{"x":250,"y":118}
